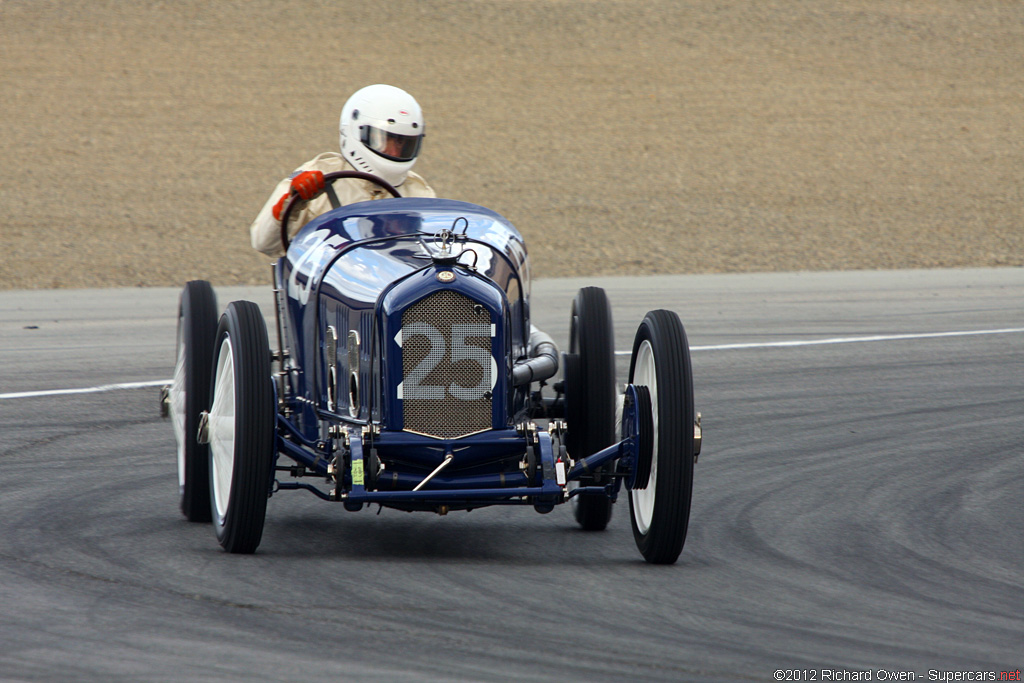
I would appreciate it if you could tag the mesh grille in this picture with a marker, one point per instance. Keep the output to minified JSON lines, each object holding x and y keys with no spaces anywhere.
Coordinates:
{"x":446,"y":366}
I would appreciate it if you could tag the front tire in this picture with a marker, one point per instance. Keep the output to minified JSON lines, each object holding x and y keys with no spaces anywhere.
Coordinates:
{"x":241,"y":428}
{"x":660,"y":512}
{"x":190,"y":395}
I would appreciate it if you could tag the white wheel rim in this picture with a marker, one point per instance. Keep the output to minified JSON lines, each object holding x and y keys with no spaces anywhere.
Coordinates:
{"x":644,"y":373}
{"x":222,"y":430}
{"x":178,"y":407}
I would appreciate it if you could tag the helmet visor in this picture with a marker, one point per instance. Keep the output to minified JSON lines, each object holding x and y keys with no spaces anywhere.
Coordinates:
{"x":391,"y":145}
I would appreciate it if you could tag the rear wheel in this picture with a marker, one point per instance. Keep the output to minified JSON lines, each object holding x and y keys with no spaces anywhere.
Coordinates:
{"x":190,"y":395}
{"x":660,"y":512}
{"x":241,"y":428}
{"x":590,"y":397}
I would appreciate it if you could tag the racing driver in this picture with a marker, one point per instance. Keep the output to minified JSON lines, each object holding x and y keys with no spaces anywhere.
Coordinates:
{"x":381,"y":129}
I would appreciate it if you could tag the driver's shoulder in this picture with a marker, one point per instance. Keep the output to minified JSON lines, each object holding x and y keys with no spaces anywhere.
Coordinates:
{"x":416,"y":186}
{"x":326,"y":162}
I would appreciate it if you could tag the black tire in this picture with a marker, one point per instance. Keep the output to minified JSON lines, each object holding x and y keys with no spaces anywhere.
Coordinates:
{"x":242,"y":417}
{"x":660,"y":513}
{"x":590,"y":397}
{"x":190,"y":395}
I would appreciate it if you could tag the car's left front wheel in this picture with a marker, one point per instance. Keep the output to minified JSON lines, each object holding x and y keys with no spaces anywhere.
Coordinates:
{"x":241,"y":428}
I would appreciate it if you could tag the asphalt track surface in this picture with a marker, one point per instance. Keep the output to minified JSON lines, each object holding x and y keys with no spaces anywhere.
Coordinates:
{"x":857,"y":507}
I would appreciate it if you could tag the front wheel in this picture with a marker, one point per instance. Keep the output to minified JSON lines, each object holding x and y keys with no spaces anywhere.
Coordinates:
{"x":241,"y":428}
{"x":660,"y":512}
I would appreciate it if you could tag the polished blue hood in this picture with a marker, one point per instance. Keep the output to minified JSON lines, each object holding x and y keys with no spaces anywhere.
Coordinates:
{"x":385,"y":240}
{"x":341,"y":266}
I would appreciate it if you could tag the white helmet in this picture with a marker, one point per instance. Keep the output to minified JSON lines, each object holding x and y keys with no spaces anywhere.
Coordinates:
{"x":381,"y":129}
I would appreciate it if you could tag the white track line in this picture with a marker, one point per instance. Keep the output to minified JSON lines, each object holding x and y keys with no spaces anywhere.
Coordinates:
{"x":844,"y":340}
{"x":88,"y":390}
{"x":714,"y":347}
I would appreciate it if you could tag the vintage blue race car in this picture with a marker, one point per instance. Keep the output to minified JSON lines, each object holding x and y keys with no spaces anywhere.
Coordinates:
{"x":408,"y":375}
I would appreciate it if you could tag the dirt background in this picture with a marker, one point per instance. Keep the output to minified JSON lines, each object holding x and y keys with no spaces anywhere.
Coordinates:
{"x":139,"y":139}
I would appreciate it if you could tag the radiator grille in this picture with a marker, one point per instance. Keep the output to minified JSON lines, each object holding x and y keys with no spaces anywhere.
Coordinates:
{"x":447,"y":366}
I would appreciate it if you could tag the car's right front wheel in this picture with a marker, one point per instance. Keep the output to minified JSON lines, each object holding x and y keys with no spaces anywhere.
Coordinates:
{"x":241,"y":428}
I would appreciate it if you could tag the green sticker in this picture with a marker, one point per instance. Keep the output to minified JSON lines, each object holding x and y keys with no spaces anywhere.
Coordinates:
{"x":357,"y":472}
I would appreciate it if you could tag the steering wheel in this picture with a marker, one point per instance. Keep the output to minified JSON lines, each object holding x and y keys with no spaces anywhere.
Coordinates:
{"x":329,"y":179}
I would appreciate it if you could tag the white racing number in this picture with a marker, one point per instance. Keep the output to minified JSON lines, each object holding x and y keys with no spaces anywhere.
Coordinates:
{"x":414,"y":386}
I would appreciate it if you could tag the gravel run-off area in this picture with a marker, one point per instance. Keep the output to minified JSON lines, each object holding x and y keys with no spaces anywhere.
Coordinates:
{"x":140,"y":138}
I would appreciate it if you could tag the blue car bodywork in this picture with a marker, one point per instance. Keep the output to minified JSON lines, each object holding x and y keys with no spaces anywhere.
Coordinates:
{"x":407,"y":374}
{"x":359,"y":274}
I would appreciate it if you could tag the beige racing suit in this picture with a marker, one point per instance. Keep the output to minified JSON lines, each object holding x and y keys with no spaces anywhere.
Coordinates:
{"x":265,"y":231}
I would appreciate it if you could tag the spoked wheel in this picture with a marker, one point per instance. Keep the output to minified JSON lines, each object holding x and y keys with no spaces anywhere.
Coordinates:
{"x":660,"y":511}
{"x":190,"y":395}
{"x":590,"y":397}
{"x":241,"y":428}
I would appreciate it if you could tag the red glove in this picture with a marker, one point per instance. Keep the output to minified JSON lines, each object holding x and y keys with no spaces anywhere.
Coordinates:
{"x":279,"y":207}
{"x":308,"y":184}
